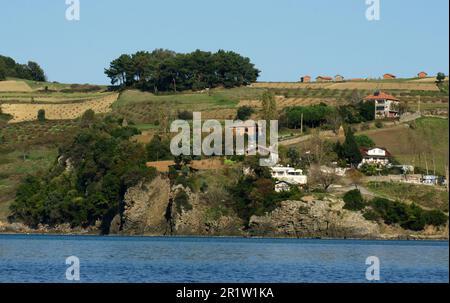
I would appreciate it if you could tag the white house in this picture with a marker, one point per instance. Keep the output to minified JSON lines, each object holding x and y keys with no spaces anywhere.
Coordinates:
{"x":375,"y":156}
{"x":289,"y":174}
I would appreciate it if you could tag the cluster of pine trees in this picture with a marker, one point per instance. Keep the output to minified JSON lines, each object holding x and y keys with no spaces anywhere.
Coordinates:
{"x":30,"y":71}
{"x":165,"y":70}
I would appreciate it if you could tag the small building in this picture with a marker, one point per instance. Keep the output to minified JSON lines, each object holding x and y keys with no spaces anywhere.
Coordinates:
{"x":289,"y":174}
{"x":389,"y":76}
{"x":305,"y":79}
{"x":422,"y":75}
{"x":324,"y":79}
{"x":386,"y":106}
{"x":281,"y":186}
{"x":377,"y":156}
{"x":338,"y":78}
{"x":430,"y":180}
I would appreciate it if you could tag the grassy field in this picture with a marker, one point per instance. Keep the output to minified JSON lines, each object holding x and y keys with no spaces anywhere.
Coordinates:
{"x":423,"y":195}
{"x":14,"y":167}
{"x":147,"y":108}
{"x":426,"y":141}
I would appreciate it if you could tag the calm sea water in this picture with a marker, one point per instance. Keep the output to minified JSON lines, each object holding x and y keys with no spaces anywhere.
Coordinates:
{"x":36,"y":258}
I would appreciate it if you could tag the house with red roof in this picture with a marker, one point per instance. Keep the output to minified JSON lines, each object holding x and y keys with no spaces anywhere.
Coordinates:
{"x":389,"y":76}
{"x":324,"y":79}
{"x":422,"y":75}
{"x":386,"y":106}
{"x":305,"y":79}
{"x":377,"y":156}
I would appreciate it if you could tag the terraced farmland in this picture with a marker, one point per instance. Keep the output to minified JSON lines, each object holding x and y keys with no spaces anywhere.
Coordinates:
{"x":360,"y":85}
{"x":27,"y":112}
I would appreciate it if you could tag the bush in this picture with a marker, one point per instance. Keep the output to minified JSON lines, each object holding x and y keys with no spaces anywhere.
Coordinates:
{"x":354,"y":200}
{"x":368,"y":170}
{"x":41,"y":115}
{"x":364,"y":141}
{"x":182,"y":201}
{"x":244,"y":113}
{"x":185,"y":115}
{"x":435,"y":217}
{"x":379,"y":124}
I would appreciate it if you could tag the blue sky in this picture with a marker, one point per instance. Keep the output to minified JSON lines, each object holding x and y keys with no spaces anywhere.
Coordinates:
{"x":284,"y":38}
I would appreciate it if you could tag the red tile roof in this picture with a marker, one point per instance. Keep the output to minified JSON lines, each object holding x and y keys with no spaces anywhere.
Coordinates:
{"x":381,"y":96}
{"x":324,"y":77}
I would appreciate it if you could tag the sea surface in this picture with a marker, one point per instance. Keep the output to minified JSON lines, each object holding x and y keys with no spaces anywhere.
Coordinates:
{"x":42,"y":258}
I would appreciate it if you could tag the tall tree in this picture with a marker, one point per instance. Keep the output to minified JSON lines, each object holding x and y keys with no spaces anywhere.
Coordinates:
{"x":350,"y":149}
{"x":269,"y":106}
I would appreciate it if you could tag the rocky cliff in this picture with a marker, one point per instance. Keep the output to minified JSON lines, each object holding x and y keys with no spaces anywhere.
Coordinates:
{"x":153,"y":209}
{"x":156,"y":208}
{"x":313,"y":218}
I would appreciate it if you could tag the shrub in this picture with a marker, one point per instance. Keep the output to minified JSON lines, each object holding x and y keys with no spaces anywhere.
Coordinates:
{"x":244,"y":113}
{"x":364,"y":141}
{"x":354,"y":200}
{"x":435,"y":217}
{"x":368,"y":170}
{"x":185,"y":115}
{"x":371,"y":215}
{"x":182,"y":201}
{"x":379,"y":124}
{"x":41,"y":115}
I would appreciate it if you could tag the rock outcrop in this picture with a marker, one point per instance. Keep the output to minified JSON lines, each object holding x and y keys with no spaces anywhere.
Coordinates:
{"x":312,"y":217}
{"x":145,"y":208}
{"x":151,"y":209}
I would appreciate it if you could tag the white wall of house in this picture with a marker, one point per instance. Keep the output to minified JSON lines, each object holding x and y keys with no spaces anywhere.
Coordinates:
{"x":289,"y":174}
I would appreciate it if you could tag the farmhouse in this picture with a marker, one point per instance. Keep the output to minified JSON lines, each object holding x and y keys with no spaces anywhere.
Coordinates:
{"x":422,"y":75}
{"x":375,"y":156}
{"x":305,"y":79}
{"x":389,"y":76}
{"x":289,"y":175}
{"x":386,"y":106}
{"x":338,"y":78}
{"x":324,"y":79}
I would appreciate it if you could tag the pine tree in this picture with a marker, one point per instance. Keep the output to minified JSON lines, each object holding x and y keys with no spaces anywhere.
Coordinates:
{"x":350,"y":149}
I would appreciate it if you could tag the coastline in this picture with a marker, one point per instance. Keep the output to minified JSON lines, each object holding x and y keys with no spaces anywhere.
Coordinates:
{"x":184,"y":236}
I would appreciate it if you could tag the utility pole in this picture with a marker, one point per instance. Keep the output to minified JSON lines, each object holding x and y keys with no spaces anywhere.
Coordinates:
{"x":418,"y":106}
{"x":301,"y":124}
{"x":446,"y":175}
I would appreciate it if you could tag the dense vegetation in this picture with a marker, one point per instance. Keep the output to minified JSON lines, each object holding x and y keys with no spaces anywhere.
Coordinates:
{"x":354,"y":200}
{"x":165,"y":70}
{"x":410,"y":217}
{"x":89,"y":180}
{"x":29,"y":71}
